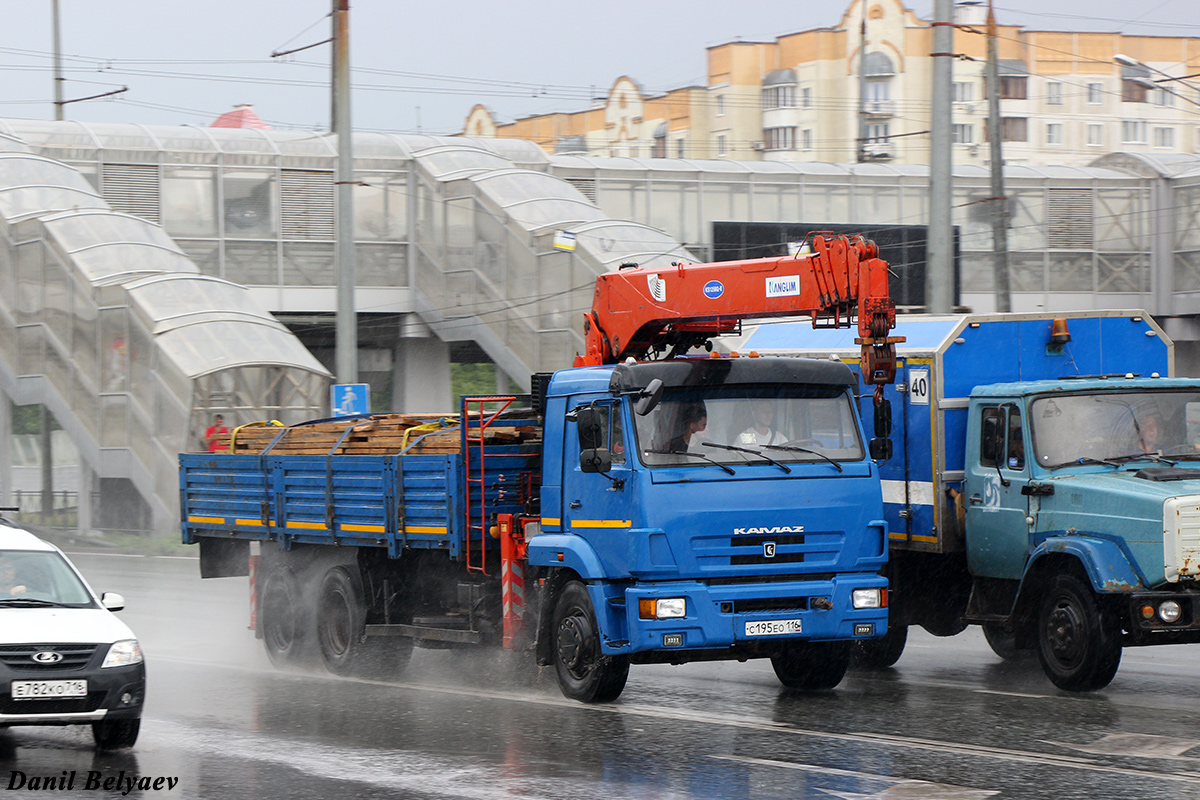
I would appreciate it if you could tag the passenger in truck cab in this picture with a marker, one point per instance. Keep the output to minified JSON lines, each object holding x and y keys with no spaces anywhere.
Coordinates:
{"x":692,"y":418}
{"x":1148,"y":434}
{"x":762,"y":432}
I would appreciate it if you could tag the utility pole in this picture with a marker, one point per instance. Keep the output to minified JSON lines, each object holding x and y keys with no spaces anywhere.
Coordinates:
{"x":863,"y":130}
{"x":58,"y":76}
{"x":346,"y":346}
{"x":939,"y":246}
{"x":999,"y":201}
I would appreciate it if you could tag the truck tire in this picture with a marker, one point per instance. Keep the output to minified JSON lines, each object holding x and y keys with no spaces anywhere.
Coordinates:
{"x":282,"y":617}
{"x":882,"y":652}
{"x":584,"y":673}
{"x":1001,"y":638}
{"x":812,"y":666}
{"x":1079,"y":643}
{"x":114,"y":734}
{"x":341,"y":615}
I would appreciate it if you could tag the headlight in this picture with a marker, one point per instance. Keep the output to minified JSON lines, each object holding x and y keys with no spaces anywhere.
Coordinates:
{"x":123,"y":654}
{"x":662,"y":608}
{"x":1169,"y":611}
{"x":866,"y":598}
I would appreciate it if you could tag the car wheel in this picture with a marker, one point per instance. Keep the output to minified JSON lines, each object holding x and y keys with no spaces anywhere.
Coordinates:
{"x":1079,"y":643}
{"x":812,"y":666}
{"x":584,"y":672}
{"x":114,"y":734}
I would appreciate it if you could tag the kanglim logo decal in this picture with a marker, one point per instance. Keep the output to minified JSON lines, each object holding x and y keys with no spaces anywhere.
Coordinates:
{"x":714,"y":289}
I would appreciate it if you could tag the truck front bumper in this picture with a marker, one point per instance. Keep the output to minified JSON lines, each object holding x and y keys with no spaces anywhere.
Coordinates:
{"x":1147,"y":626}
{"x":752,"y":616}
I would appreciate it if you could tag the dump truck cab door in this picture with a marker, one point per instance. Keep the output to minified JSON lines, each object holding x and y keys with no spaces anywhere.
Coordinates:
{"x":998,"y":534}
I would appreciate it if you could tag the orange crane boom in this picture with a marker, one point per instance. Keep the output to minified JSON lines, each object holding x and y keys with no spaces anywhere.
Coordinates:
{"x":646,"y":313}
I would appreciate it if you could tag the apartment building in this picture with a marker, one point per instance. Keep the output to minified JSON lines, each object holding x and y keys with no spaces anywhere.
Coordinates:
{"x":860,"y":92}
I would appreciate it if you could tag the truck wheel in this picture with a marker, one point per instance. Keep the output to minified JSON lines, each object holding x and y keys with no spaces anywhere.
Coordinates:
{"x":114,"y":734}
{"x":282,"y":619}
{"x":1079,"y":643}
{"x":882,"y":652}
{"x":341,"y":615}
{"x":584,"y":673}
{"x":812,"y":666}
{"x":1001,"y":638}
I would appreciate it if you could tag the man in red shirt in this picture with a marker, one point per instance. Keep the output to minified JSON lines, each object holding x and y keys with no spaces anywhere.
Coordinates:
{"x":215,"y":430}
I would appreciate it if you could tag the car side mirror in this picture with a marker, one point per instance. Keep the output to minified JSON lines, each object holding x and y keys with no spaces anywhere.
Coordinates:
{"x":595,"y":460}
{"x":881,"y":449}
{"x":648,"y":398}
{"x":112,"y":601}
{"x":590,"y":427}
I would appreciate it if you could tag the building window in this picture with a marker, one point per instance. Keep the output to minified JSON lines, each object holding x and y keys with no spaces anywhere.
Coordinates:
{"x":1013,"y":87}
{"x":720,"y":105}
{"x":962,"y":92}
{"x":1054,"y":133}
{"x":1054,"y":94}
{"x":1095,"y":93}
{"x":679,"y":148}
{"x":877,"y":132}
{"x":806,"y":139}
{"x":721,"y":144}
{"x":1095,"y":135}
{"x":878,"y":91}
{"x":1164,"y":137}
{"x":779,"y":97}
{"x":964,"y":134}
{"x":806,"y":97}
{"x":1163,"y":98}
{"x":780,"y":138}
{"x":1132,"y":92}
{"x":1133,"y":131}
{"x":1014,"y":129}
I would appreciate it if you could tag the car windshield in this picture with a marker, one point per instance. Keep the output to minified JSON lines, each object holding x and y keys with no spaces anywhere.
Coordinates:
{"x":733,"y":425}
{"x":40,"y":577}
{"x":1115,"y":426}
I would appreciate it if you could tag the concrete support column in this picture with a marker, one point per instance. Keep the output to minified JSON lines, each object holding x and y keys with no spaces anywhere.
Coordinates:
{"x":6,"y":494}
{"x":87,"y":495}
{"x":501,"y":381}
{"x":421,"y":375}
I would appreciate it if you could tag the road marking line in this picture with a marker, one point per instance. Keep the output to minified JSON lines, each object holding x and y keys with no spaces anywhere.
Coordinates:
{"x":897,"y":787}
{"x":1014,"y":694}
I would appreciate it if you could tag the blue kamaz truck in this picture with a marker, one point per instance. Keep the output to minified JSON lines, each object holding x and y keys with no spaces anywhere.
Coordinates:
{"x":631,"y":513}
{"x":1045,"y":484}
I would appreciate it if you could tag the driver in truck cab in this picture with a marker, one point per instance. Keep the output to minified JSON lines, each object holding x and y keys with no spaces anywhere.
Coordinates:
{"x":9,"y":587}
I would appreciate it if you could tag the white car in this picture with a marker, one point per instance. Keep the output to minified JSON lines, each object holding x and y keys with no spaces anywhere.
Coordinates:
{"x":65,"y":659}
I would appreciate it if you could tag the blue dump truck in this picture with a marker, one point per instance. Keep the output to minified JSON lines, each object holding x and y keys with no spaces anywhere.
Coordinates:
{"x":1045,"y":484}
{"x":634,"y":512}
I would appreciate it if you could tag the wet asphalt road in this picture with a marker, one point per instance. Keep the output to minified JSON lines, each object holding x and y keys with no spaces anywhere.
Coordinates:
{"x":949,"y":721}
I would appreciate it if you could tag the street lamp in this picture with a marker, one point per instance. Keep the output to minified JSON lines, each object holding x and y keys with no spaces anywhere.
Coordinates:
{"x":1157,"y":83}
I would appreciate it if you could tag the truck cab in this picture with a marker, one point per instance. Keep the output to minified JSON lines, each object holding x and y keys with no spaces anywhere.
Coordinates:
{"x":709,"y":508}
{"x":1083,"y":517}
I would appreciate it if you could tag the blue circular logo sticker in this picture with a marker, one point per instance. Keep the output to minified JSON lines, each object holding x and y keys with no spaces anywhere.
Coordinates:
{"x":714,"y":289}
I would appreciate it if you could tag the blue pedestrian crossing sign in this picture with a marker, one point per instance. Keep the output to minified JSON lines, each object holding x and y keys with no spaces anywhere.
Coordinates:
{"x":349,"y":399}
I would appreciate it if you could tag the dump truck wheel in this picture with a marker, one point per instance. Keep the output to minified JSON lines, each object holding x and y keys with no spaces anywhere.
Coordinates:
{"x":812,"y":666}
{"x":882,"y":652}
{"x":341,"y":615}
{"x":1079,"y":643}
{"x":282,"y":617}
{"x":584,"y":672}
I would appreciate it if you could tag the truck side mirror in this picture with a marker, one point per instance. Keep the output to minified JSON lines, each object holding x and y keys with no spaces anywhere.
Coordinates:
{"x":590,"y":426}
{"x":595,"y":460}
{"x":881,"y":449}
{"x":648,"y":398}
{"x":883,"y":418}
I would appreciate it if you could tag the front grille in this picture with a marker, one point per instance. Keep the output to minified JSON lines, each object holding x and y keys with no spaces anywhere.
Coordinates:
{"x":19,"y":657}
{"x":72,"y":705}
{"x":771,"y":604}
{"x":752,"y":549}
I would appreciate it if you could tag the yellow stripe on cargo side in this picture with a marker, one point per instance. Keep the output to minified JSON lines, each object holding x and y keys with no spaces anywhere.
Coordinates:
{"x":422,"y":529}
{"x":551,"y":521}
{"x":255,"y":522}
{"x":313,"y":526}
{"x":363,"y":528}
{"x":601,"y":523}
{"x":898,"y":536}
{"x":926,"y":539}
{"x":209,"y":520}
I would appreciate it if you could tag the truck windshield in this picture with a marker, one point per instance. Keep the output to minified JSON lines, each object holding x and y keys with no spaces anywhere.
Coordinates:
{"x":788,"y":423}
{"x":1115,"y":426}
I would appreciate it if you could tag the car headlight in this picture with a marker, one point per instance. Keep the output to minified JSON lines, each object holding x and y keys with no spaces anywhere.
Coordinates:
{"x":123,"y":654}
{"x":662,"y":608}
{"x":866,"y":598}
{"x":1169,"y":611}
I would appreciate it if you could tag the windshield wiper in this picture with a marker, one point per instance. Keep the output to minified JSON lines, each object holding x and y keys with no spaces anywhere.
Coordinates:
{"x":30,"y":602}
{"x":737,"y":449}
{"x":693,"y":455}
{"x":1139,"y":456}
{"x":804,"y":450}
{"x":1075,"y":462}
